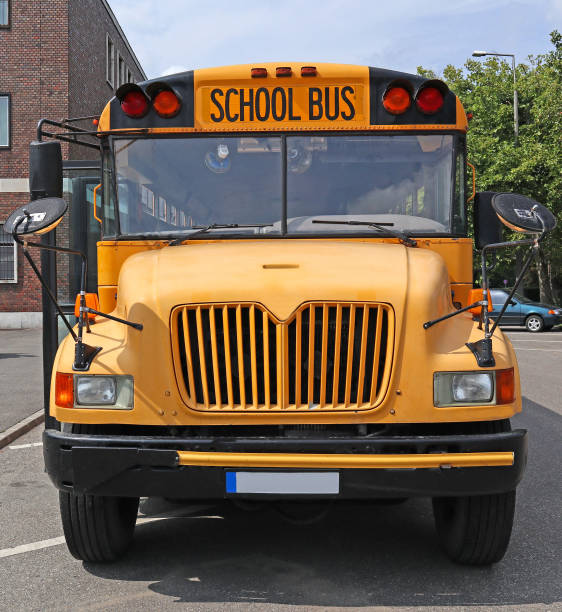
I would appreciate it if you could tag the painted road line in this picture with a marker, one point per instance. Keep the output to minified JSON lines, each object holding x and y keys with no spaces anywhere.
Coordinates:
{"x":41,"y":544}
{"x":539,"y":349}
{"x":23,"y":548}
{"x":20,"y":428}
{"x":30,"y":445}
{"x":536,"y":340}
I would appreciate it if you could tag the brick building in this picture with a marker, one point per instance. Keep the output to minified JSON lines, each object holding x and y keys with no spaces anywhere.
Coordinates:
{"x":58,"y":59}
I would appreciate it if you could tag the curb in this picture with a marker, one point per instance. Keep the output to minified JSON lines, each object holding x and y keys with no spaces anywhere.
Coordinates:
{"x":17,"y":430}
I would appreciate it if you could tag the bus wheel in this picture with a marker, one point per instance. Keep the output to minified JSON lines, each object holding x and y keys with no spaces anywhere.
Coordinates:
{"x":98,"y":528}
{"x":475,"y":530}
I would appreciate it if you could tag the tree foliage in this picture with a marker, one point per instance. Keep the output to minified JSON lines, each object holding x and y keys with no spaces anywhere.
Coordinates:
{"x":531,"y":167}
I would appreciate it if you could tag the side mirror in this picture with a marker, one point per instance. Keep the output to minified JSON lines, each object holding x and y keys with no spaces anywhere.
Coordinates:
{"x":487,"y":226}
{"x":522,"y":214}
{"x":37,"y":217}
{"x":45,"y":169}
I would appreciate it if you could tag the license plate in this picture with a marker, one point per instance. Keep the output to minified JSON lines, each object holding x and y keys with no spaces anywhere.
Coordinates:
{"x":288,"y":483}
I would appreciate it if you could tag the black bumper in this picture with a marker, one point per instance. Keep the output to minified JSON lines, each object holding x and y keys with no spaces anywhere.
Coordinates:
{"x":139,"y":466}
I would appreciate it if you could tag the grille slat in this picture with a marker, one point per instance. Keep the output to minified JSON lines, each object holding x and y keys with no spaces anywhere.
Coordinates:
{"x":326,"y":356}
{"x":337,"y":354}
{"x":265,"y":328}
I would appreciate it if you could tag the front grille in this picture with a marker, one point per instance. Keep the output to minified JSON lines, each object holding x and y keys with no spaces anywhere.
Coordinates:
{"x":326,"y":356}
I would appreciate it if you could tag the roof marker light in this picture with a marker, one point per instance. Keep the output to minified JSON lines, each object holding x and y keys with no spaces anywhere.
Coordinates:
{"x":134,"y":104}
{"x":396,"y":100}
{"x":283,"y":71}
{"x":429,"y":100}
{"x":259,"y":73}
{"x":308,"y":71}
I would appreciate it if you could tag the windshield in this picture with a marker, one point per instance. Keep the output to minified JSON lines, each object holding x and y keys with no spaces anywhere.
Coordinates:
{"x":288,"y":185}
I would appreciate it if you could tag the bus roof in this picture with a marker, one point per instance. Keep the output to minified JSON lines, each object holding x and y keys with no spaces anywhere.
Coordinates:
{"x":277,"y":97}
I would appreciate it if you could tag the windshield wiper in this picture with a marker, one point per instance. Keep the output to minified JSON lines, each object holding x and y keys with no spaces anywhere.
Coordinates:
{"x":382,"y":227}
{"x":201,"y":229}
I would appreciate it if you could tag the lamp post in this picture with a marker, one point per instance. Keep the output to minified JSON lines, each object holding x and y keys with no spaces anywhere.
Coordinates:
{"x":515,"y":101}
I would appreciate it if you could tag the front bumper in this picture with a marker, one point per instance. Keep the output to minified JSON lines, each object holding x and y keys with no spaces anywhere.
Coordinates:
{"x":196,"y":468}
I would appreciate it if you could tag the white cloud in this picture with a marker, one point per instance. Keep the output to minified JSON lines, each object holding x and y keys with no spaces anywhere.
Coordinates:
{"x":399,"y":35}
{"x":173,"y":69}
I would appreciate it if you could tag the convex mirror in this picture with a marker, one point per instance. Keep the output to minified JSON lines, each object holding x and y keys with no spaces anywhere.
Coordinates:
{"x":523,"y":214}
{"x":37,"y":217}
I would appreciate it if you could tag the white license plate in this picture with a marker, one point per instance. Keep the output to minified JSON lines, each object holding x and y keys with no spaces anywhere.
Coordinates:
{"x":311,"y":483}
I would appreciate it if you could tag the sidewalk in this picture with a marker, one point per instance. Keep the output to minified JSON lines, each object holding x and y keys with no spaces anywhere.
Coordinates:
{"x":21,"y":375}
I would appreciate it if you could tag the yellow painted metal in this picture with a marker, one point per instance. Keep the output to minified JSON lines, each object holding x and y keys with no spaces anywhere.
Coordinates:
{"x":188,"y":356}
{"x":202,"y":360}
{"x":253,"y":360}
{"x":324,"y":358}
{"x":350,"y":343}
{"x":227,"y":356}
{"x":285,"y":360}
{"x":333,"y":461}
{"x":96,"y":188}
{"x":376,"y":355}
{"x":214,"y":357}
{"x":311,"y":329}
{"x":328,"y":336}
{"x":417,"y":282}
{"x":363,"y":354}
{"x":267,"y":390}
{"x":112,"y":254}
{"x":298,"y":359}
{"x":240,"y":351}
{"x":337,"y":349}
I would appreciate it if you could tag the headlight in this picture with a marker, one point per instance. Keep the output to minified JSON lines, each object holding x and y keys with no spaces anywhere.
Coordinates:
{"x":114,"y":392}
{"x":473,"y":387}
{"x":463,"y":388}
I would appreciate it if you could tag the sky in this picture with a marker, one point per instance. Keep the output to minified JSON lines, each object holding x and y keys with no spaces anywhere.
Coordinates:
{"x":175,"y":35}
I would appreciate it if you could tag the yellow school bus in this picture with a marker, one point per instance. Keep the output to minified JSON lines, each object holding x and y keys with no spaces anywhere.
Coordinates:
{"x":283,"y":248}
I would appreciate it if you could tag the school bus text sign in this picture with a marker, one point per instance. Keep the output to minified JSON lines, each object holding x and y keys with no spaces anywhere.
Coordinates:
{"x":279,"y":107}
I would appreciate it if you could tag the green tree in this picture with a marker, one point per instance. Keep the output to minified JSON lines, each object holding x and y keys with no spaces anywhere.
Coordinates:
{"x":531,"y":167}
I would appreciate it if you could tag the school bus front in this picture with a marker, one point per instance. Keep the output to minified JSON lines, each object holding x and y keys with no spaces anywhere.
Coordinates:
{"x":282,"y":233}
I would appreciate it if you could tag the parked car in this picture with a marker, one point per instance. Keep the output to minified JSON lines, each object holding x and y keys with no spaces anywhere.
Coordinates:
{"x":521,"y":311}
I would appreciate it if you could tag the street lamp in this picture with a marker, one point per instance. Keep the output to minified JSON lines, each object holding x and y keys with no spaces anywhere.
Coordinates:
{"x":515,"y":101}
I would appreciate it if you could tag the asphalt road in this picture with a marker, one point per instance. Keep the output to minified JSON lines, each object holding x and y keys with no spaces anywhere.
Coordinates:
{"x":189,"y":557}
{"x":20,"y":370}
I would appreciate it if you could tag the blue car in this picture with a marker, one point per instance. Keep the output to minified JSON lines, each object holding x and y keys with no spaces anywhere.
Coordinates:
{"x":536,"y":317}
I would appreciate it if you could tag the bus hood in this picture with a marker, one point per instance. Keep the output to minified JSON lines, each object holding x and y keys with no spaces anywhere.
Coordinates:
{"x":283,"y":274}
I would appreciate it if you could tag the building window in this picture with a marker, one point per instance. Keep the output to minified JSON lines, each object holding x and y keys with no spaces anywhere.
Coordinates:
{"x":4,"y":120}
{"x":109,"y":60}
{"x":8,"y":258}
{"x":121,"y":71}
{"x":4,"y":14}
{"x":129,"y":76}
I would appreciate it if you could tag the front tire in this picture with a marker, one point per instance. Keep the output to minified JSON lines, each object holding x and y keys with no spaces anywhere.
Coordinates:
{"x":97,"y":528}
{"x":534,"y":323}
{"x":475,"y":530}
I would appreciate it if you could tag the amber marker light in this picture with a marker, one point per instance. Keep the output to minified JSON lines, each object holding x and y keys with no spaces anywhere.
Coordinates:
{"x":505,"y":386}
{"x":429,"y":100}
{"x":134,"y":104}
{"x":166,"y":104}
{"x":64,"y":390}
{"x":396,"y":100}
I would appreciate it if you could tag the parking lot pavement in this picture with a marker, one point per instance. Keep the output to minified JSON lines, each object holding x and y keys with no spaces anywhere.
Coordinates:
{"x":356,"y":557}
{"x":540,"y":365}
{"x":21,"y":375}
